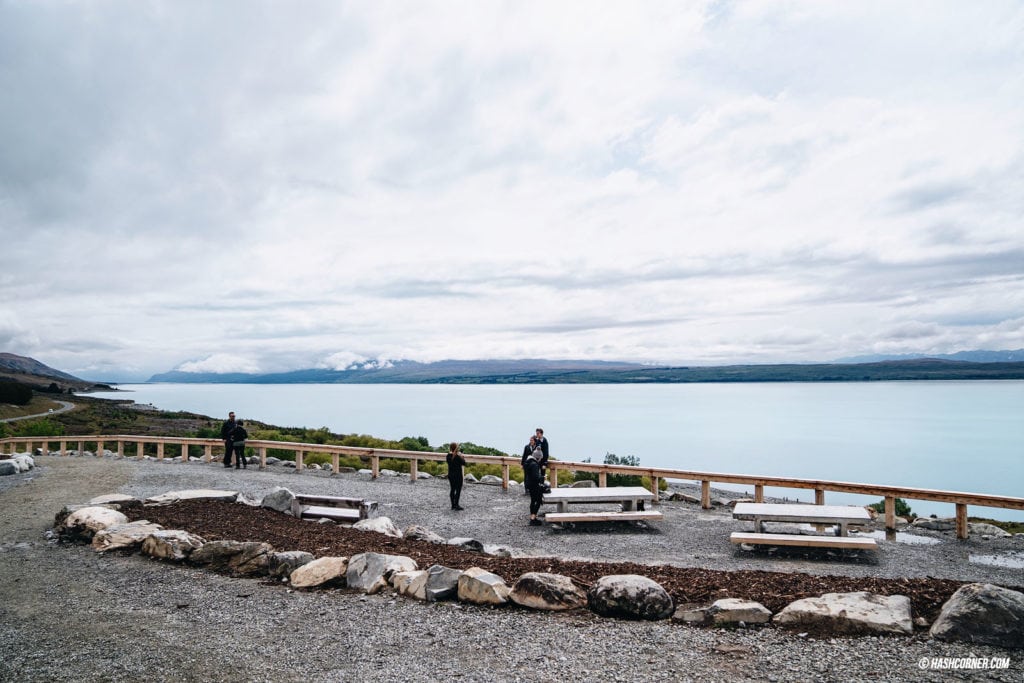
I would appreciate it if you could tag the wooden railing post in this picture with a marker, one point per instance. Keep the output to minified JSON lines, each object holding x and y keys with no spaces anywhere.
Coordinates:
{"x":654,"y":488}
{"x":890,"y":513}
{"x":552,"y":476}
{"x":961,"y":521}
{"x":99,"y":449}
{"x":374,"y":465}
{"x":504,"y":476}
{"x":298,"y":460}
{"x":81,"y":448}
{"x":160,"y":452}
{"x":758,"y":493}
{"x":335,"y":462}
{"x":602,"y":479}
{"x":819,"y":496}
{"x":208,"y":453}
{"x":413,"y":469}
{"x":263,"y":457}
{"x":140,"y":449}
{"x":63,"y":448}
{"x":705,"y":494}
{"x":120,"y":448}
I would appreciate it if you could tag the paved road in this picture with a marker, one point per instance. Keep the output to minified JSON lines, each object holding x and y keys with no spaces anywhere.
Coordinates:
{"x":65,"y":406}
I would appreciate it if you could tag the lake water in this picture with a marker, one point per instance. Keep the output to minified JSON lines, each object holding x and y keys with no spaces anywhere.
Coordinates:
{"x":960,"y":436}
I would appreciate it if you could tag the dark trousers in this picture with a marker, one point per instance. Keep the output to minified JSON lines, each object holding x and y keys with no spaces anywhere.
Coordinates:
{"x":536,"y":497}
{"x":455,"y":492}
{"x":240,"y":456}
{"x":228,"y":448}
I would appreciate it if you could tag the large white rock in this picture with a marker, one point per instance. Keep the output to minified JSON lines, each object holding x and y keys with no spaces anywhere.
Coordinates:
{"x":370,"y":572}
{"x":115,"y":499}
{"x":85,"y":522}
{"x":279,"y":499}
{"x":244,"y":558}
{"x":553,"y":592}
{"x":382,"y":525}
{"x":735,"y":610}
{"x":491,"y":480}
{"x":171,"y":544}
{"x":120,"y":536}
{"x":480,"y":587}
{"x":859,"y":612}
{"x":986,"y":529}
{"x":411,"y":584}
{"x":430,"y":585}
{"x":629,"y":596}
{"x":319,"y":572}
{"x":982,"y":613}
{"x":422,"y":533}
{"x":192,"y":494}
{"x":23,"y":462}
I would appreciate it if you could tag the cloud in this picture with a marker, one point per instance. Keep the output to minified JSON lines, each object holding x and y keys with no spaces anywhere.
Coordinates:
{"x":220,"y":363}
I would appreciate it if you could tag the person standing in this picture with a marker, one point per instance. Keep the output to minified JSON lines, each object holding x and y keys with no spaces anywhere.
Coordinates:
{"x":533,"y":481}
{"x":456,"y":461}
{"x":225,"y":435}
{"x":543,"y":443}
{"x":238,"y":437}
{"x":527,"y":452}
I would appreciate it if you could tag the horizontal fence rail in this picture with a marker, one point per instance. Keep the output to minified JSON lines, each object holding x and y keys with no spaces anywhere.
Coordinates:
{"x":960,"y":499}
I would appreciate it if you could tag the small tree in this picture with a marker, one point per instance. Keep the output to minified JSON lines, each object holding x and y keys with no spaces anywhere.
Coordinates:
{"x":902,"y":509}
{"x":623,"y":479}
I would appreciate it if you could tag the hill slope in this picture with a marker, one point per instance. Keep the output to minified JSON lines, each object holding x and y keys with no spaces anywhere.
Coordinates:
{"x":32,"y":372}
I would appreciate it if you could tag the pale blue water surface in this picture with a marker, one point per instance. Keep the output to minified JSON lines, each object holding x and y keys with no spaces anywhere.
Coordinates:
{"x":960,"y":436}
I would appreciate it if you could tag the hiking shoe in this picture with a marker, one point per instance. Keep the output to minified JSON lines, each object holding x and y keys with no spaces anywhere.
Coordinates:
{"x":535,"y":522}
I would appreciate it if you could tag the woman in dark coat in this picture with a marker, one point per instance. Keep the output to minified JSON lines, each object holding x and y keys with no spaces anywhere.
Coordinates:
{"x":238,"y":437}
{"x":534,"y":480}
{"x":455,"y":476}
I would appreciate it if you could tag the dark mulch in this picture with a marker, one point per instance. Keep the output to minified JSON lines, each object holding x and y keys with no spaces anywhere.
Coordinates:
{"x":228,"y":521}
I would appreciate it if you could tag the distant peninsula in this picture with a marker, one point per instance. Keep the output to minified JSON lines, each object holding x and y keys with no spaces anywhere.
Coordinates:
{"x":605,"y":372}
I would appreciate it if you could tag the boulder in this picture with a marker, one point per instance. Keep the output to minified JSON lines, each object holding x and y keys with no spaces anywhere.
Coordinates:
{"x":735,"y":611}
{"x":244,"y":558}
{"x":685,"y":497}
{"x":192,"y":494}
{"x":422,"y":533}
{"x":283,"y":564}
{"x":319,"y":572}
{"x":854,"y":613}
{"x":121,"y":500}
{"x":121,"y":536}
{"x":23,"y":462}
{"x":491,"y":480}
{"x":84,"y":522}
{"x":982,"y":613}
{"x":691,"y":614}
{"x":442,"y":583}
{"x":469,"y":478}
{"x":986,"y":529}
{"x":583,"y":484}
{"x":464,"y":543}
{"x":279,"y":499}
{"x":629,"y":596}
{"x":382,"y":525}
{"x":412,"y":584}
{"x":424,"y":475}
{"x":370,"y":572}
{"x":481,"y":587}
{"x":935,"y":524}
{"x":8,"y":467}
{"x":174,"y":544}
{"x":553,"y":592}
{"x":497,"y":550}
{"x":387,"y":473}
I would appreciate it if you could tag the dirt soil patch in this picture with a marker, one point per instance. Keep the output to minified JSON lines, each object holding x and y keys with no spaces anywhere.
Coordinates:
{"x":215,"y":520}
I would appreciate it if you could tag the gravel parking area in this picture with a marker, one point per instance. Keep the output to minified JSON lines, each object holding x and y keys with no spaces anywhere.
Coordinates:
{"x":67,"y":613}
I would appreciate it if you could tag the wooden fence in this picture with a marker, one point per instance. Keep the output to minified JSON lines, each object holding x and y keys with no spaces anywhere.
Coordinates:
{"x":181,"y":444}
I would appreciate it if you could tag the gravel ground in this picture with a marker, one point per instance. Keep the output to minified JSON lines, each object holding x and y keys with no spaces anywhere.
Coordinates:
{"x":67,"y":613}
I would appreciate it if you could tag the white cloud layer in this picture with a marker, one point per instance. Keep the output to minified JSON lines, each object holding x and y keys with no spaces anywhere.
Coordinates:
{"x":257,"y":187}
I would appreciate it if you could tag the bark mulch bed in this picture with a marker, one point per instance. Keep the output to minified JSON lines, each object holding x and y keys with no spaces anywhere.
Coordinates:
{"x":214,"y":520}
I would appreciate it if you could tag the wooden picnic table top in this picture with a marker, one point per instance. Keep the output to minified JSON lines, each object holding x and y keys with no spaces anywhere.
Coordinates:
{"x":801,"y":512}
{"x":600,"y":494}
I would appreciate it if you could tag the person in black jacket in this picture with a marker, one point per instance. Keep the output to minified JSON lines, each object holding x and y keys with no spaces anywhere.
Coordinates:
{"x":225,"y":436}
{"x":238,"y":437}
{"x":533,"y":480}
{"x":456,"y":461}
{"x":542,"y":441}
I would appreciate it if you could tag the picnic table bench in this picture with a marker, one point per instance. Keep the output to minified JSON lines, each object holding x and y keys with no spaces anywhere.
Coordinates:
{"x":349,"y":510}
{"x":631,"y":500}
{"x":839,"y":515}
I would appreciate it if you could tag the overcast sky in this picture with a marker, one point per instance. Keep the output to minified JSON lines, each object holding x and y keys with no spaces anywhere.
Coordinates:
{"x":258,"y":186}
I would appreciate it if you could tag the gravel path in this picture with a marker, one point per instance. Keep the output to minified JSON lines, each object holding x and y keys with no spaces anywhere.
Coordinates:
{"x":67,"y":613}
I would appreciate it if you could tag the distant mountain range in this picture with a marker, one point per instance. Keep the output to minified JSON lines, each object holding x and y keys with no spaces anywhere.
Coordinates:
{"x":969,"y":356}
{"x":582,"y":372}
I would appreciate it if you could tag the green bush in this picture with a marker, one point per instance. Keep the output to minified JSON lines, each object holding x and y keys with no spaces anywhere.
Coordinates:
{"x":902,"y":509}
{"x":15,"y":393}
{"x":44,"y":427}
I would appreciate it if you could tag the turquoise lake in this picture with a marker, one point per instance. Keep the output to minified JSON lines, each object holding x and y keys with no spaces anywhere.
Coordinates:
{"x":960,"y":436}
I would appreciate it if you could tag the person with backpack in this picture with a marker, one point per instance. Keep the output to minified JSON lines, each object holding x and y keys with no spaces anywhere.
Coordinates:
{"x":534,"y":480}
{"x":238,"y":437}
{"x":456,"y":461}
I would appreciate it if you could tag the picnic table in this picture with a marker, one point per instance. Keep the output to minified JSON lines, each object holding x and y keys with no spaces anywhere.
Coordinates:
{"x":631,"y":500}
{"x":839,"y":515}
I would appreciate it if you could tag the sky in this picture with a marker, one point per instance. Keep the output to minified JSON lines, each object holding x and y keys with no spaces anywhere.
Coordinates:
{"x":263,"y":186}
